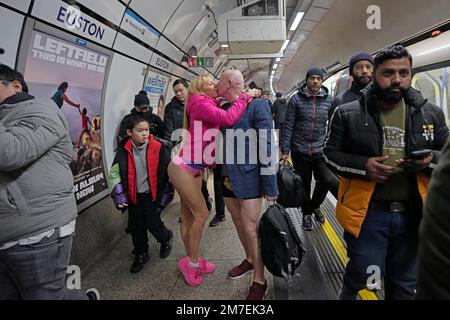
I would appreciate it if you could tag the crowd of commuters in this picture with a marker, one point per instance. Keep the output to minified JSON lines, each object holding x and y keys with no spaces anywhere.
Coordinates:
{"x":375,"y":146}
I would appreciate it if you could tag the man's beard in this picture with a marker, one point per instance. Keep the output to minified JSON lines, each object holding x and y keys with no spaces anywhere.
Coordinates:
{"x":314,"y":90}
{"x":389,"y":95}
{"x":362,"y":82}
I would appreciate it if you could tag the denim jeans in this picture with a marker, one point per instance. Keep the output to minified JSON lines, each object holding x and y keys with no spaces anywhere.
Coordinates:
{"x":38,"y":271}
{"x":382,"y":242}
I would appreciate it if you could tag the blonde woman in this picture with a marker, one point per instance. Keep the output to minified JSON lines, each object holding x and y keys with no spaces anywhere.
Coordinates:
{"x":185,"y":170}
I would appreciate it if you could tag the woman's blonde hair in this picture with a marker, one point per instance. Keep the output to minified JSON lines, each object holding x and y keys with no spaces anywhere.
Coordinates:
{"x":195,"y":87}
{"x":198,"y":83}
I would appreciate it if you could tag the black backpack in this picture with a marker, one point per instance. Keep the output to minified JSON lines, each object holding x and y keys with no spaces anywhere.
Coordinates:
{"x":290,"y":186}
{"x":281,"y":248}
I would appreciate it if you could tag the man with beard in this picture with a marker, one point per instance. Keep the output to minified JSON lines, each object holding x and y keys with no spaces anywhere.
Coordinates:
{"x":372,"y":144}
{"x":142,"y":106}
{"x":303,"y":135}
{"x":360,"y":68}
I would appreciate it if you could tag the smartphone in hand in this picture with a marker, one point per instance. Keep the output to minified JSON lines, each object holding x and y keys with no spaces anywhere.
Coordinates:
{"x":419,"y":154}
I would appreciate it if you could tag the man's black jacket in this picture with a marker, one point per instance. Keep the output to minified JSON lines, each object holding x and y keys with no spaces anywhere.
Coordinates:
{"x":356,"y":134}
{"x":279,"y":110}
{"x":173,"y":117}
{"x":349,"y":95}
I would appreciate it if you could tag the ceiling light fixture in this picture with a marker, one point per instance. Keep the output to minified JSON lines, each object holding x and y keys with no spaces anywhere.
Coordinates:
{"x":285,"y":45}
{"x":297,"y":20}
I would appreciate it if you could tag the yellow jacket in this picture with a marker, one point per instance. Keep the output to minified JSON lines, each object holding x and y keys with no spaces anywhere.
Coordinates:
{"x":354,"y":199}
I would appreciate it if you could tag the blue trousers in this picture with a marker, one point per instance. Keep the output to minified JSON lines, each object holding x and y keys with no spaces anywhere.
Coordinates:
{"x":382,"y":242}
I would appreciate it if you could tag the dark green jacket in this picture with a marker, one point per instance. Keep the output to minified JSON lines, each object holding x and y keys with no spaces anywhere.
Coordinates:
{"x":434,"y":250}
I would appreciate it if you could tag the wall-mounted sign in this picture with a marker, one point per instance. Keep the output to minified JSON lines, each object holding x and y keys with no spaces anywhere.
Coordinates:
{"x":81,"y":42}
{"x":136,"y":26}
{"x":201,"y":62}
{"x":160,"y":63}
{"x":156,"y":87}
{"x":72,"y":19}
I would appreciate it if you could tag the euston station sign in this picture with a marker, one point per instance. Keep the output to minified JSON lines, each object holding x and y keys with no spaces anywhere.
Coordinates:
{"x":72,"y":19}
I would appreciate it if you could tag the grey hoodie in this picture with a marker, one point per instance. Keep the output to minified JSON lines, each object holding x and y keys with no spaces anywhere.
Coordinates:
{"x":36,"y":183}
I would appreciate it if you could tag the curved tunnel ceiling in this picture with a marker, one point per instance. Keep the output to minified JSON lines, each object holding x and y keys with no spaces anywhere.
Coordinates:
{"x":343,"y":31}
{"x":340,"y":32}
{"x":188,"y":23}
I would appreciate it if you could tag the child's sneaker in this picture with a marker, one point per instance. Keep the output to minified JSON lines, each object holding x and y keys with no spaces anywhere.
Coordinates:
{"x":191,"y":274}
{"x":206,"y":266}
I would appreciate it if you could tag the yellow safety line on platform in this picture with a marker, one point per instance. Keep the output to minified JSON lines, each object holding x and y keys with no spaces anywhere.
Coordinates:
{"x":341,"y":251}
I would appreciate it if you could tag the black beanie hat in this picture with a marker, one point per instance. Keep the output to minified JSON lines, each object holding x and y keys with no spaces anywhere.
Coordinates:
{"x":141,"y":101}
{"x":314,"y":71}
{"x":358,"y":57}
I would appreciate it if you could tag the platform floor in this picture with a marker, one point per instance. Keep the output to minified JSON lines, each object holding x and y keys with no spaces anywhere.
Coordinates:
{"x":160,"y":278}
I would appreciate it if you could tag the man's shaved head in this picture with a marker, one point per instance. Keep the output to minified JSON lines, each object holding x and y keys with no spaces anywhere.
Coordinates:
{"x":233,"y":75}
{"x":231,"y":84}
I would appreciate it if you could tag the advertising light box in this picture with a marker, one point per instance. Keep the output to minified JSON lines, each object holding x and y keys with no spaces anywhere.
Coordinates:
{"x":73,"y":77}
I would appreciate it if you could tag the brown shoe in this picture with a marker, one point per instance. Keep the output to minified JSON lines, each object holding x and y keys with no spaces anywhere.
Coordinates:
{"x":257,"y":291}
{"x":240,"y":270}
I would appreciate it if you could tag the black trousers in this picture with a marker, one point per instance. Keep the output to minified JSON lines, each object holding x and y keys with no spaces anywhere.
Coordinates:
{"x":218,"y":194}
{"x":279,"y":126}
{"x":306,"y":165}
{"x":205,"y":192}
{"x":334,"y":188}
{"x":143,"y":217}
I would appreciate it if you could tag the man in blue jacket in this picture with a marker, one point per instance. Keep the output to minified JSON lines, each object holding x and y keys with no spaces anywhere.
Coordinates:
{"x":248,"y":175}
{"x":303,"y":135}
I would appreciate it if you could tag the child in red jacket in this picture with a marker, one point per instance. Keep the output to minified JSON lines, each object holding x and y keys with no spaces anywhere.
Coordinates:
{"x":139,"y":174}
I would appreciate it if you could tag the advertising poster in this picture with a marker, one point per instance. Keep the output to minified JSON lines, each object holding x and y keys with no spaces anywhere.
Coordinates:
{"x":156,"y":87}
{"x":73,"y":77}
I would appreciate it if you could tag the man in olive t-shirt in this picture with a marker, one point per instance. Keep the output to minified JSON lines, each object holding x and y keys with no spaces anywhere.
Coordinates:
{"x":393,"y":126}
{"x":379,"y":207}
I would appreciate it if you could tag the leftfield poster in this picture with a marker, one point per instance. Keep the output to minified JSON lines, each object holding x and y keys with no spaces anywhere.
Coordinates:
{"x":73,"y":77}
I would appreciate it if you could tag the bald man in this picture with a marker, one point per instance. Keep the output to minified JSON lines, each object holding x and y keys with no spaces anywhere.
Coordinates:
{"x":244,"y":185}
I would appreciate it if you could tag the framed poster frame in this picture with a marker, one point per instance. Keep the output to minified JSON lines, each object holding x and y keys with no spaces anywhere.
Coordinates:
{"x":31,"y":26}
